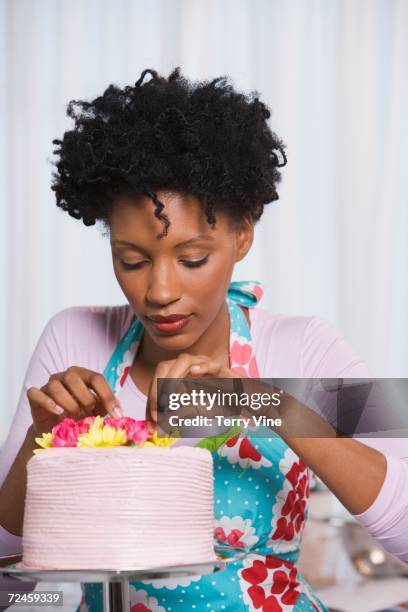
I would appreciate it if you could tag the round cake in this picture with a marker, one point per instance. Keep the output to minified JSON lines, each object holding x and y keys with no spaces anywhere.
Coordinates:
{"x":119,"y":508}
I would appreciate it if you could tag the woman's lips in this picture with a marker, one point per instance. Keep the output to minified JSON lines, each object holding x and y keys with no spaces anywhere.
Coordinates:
{"x":170,"y":327}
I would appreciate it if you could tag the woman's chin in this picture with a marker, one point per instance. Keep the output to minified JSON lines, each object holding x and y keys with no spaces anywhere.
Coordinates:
{"x":173,"y":342}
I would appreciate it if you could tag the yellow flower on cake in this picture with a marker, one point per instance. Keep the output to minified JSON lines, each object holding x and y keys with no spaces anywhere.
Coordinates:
{"x":93,"y":432}
{"x":102,"y":435}
{"x":45,"y":442}
{"x":156,"y":440}
{"x":97,"y":422}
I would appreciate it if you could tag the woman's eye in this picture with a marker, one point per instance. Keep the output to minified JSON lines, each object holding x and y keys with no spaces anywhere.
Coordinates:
{"x":128,"y":266}
{"x":187,"y":263}
{"x":196,"y":263}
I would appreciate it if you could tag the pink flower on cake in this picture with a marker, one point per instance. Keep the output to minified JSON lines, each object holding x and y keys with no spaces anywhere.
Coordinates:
{"x":66,"y":433}
{"x":97,"y":431}
{"x":240,"y":450}
{"x":235,"y":531}
{"x":141,"y":601}
{"x":137,"y":431}
{"x":89,"y":420}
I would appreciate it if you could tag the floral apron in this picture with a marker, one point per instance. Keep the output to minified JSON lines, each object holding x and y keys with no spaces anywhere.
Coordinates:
{"x":261,"y":491}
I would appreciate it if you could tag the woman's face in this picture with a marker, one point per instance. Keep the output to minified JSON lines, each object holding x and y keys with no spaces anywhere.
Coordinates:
{"x":184,"y":273}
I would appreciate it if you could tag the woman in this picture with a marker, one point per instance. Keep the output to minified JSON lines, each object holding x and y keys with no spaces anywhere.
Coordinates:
{"x":179,"y":173}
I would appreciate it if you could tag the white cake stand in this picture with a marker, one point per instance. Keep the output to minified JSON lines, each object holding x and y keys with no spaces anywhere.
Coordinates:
{"x":116,"y":582}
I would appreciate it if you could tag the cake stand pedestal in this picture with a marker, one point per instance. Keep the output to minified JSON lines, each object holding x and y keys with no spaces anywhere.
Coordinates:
{"x":116,"y":582}
{"x":116,"y":596}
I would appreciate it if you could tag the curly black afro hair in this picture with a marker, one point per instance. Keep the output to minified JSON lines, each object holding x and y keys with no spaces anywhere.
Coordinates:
{"x":200,"y":138}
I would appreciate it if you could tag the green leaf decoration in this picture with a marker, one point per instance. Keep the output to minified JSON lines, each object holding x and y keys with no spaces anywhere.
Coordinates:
{"x":213,"y":443}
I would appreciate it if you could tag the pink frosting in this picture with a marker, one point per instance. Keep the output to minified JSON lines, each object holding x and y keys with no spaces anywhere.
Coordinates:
{"x":118,"y":508}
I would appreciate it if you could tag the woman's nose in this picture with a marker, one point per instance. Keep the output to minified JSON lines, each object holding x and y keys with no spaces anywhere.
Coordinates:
{"x":163,"y":287}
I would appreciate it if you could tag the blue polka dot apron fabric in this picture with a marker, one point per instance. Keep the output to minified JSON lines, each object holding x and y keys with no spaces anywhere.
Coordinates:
{"x":261,"y":491}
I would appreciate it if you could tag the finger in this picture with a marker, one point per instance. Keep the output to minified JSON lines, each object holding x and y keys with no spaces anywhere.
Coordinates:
{"x":61,"y":396}
{"x":85,"y":397}
{"x":162,"y":371}
{"x":151,"y":408}
{"x":176,"y":368}
{"x":184,"y":365}
{"x":207,"y":367}
{"x":181,"y":366}
{"x":211,"y":378}
{"x":98,"y":383}
{"x":212,"y":368}
{"x":42,"y":405}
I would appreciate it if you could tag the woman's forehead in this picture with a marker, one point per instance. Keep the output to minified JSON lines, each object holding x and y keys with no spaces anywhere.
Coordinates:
{"x":135,"y":219}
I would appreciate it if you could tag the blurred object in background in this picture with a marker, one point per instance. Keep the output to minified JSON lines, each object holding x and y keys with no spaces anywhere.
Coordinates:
{"x":323,"y":559}
{"x":349,"y":570}
{"x":367,"y":556}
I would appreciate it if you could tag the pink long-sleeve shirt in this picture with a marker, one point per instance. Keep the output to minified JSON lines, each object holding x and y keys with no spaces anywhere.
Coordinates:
{"x":285,"y":347}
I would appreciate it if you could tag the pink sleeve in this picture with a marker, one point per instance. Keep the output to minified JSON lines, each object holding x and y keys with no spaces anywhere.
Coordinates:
{"x":48,"y":357}
{"x":327,"y":354}
{"x":79,"y":335}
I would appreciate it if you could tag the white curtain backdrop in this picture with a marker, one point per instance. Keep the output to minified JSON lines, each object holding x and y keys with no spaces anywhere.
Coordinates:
{"x":335,"y":74}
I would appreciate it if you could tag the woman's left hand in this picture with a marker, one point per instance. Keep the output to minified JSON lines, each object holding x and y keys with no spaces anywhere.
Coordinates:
{"x":185,"y":366}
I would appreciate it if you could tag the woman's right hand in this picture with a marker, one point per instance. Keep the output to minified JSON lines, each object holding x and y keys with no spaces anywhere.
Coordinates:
{"x":75,"y":393}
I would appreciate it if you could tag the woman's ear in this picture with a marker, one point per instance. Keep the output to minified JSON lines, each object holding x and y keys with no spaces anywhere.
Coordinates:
{"x":245,"y":238}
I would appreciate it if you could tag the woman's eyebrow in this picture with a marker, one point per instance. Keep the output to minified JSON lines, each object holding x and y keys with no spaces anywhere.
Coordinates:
{"x":195,"y":239}
{"x":184,"y":243}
